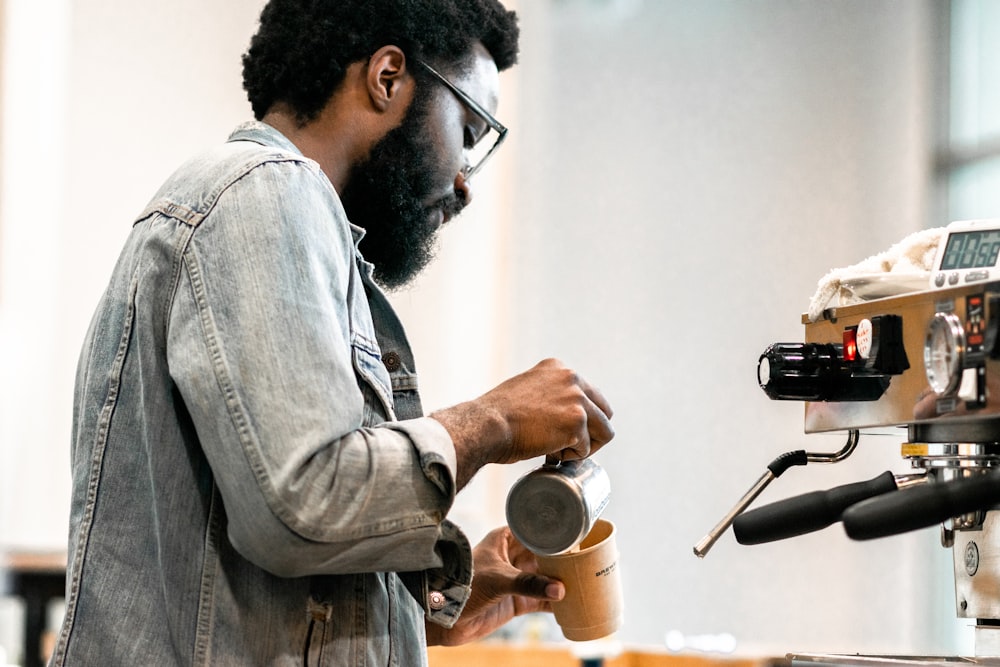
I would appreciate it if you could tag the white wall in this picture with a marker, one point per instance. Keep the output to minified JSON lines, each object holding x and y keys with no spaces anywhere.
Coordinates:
{"x":679,"y":175}
{"x":689,"y":170}
{"x":102,"y":100}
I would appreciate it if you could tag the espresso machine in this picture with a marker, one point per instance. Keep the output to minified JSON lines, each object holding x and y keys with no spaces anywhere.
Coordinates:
{"x":926,"y":360}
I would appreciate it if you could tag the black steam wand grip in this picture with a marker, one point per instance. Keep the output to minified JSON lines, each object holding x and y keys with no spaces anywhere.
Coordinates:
{"x":921,"y":506}
{"x":806,"y":513}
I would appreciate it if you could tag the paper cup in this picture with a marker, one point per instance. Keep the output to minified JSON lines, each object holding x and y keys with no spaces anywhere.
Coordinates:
{"x":593,"y":606}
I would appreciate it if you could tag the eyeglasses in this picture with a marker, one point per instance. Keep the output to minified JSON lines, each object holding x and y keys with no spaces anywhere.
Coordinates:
{"x":481,"y":151}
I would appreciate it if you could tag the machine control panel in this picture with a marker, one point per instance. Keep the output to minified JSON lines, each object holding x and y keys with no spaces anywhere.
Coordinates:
{"x":928,"y":356}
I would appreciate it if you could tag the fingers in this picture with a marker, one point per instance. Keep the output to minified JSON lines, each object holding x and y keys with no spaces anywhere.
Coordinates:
{"x":594,"y":434}
{"x":599,"y":415}
{"x":595,"y":429}
{"x":599,"y":428}
{"x":595,"y":395}
{"x":538,"y":586}
{"x":507,"y":567}
{"x":529,"y":583}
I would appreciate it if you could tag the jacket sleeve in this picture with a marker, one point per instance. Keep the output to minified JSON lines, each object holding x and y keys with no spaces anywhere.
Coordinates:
{"x":265,"y":337}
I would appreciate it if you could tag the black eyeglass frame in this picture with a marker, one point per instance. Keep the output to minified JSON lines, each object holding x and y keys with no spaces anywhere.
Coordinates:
{"x":476,"y":108}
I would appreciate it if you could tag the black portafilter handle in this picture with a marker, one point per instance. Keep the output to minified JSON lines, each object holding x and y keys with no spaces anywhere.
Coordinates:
{"x":806,"y":513}
{"x":921,"y":506}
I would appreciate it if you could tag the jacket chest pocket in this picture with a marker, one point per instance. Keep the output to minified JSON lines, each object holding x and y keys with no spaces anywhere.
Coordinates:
{"x":373,"y":378}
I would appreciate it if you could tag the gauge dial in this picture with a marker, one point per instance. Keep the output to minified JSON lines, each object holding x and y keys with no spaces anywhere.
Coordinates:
{"x":944,"y":353}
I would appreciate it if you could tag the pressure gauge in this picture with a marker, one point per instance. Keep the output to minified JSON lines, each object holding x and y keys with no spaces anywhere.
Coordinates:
{"x":944,"y":353}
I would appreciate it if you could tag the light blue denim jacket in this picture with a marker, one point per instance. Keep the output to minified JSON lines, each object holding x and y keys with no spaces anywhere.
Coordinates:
{"x":253,"y":482}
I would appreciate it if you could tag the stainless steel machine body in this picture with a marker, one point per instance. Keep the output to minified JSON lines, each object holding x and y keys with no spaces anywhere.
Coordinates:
{"x":949,"y":400}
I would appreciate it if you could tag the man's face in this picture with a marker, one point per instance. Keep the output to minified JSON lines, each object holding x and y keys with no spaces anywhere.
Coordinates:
{"x":391,"y":195}
{"x":406,"y":188}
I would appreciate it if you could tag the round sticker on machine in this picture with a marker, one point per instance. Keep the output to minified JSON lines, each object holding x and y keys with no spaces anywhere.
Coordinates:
{"x":864,"y":338}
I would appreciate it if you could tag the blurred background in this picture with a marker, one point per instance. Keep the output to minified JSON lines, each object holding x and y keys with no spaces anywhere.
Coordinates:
{"x":678,"y":176}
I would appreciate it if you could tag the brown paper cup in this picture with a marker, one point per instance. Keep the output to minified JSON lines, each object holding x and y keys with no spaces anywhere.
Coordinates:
{"x":593,"y":606}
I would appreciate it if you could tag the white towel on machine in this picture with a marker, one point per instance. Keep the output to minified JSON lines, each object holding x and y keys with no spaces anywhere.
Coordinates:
{"x":914,"y":254}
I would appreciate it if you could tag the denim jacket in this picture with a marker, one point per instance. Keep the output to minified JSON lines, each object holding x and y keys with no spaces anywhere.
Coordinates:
{"x":253,"y":480}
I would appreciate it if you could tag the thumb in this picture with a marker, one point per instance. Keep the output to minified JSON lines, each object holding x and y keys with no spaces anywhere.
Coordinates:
{"x":538,"y":586}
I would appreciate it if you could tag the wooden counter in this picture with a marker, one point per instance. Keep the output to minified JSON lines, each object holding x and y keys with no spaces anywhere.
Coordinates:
{"x":515,"y":655}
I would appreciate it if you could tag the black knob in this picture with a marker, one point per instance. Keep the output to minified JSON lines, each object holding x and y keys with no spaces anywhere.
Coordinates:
{"x":816,"y":372}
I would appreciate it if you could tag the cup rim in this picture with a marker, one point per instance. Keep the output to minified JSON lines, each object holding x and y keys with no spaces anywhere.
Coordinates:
{"x":599,"y":524}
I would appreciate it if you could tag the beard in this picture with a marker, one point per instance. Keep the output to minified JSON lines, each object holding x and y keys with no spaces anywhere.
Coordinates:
{"x":386,"y":194}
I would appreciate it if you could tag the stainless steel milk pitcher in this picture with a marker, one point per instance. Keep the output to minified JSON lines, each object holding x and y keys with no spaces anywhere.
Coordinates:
{"x":552,"y":508}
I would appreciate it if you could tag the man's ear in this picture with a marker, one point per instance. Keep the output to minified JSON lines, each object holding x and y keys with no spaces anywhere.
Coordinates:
{"x":388,"y":77}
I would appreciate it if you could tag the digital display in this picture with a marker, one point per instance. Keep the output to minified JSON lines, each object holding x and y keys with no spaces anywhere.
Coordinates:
{"x":971,"y":250}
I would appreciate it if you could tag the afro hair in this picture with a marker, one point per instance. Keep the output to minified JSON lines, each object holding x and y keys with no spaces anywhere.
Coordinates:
{"x":302,"y":49}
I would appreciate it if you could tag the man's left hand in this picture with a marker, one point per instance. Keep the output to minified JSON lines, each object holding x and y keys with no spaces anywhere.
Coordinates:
{"x":505,"y":584}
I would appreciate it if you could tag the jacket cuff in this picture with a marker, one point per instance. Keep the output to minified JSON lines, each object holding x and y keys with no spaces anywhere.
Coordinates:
{"x":437,"y":452}
{"x":442,"y":592}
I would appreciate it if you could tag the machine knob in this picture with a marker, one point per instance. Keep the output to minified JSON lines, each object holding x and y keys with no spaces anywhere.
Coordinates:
{"x":816,"y":372}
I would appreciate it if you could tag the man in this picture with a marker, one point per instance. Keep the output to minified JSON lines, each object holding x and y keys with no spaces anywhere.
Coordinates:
{"x":254,"y":482}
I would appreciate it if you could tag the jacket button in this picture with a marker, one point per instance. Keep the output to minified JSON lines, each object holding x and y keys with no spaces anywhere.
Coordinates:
{"x":391,"y":361}
{"x":436,"y":600}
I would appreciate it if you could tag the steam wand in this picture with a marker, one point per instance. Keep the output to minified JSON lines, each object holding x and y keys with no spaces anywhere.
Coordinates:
{"x":774,"y":470}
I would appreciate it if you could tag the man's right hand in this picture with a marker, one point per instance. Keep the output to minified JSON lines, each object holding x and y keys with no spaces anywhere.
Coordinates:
{"x":548,"y":410}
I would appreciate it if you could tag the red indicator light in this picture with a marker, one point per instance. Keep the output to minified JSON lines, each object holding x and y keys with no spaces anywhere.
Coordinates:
{"x":850,"y":345}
